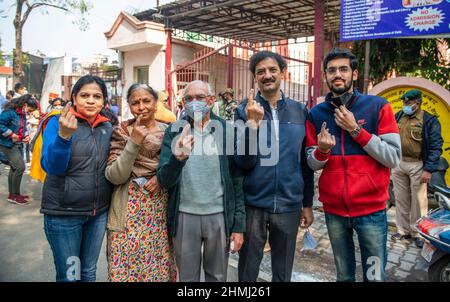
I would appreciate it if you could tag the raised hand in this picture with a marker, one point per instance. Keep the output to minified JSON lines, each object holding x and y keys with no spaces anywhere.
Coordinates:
{"x":325,"y":140}
{"x":68,"y":123}
{"x":139,"y":132}
{"x":184,"y":145}
{"x":345,"y":119}
{"x":253,"y":110}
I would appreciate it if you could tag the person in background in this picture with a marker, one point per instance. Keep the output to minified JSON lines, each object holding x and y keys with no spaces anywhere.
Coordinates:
{"x":19,"y":90}
{"x":10,"y":95}
{"x":163,"y":114}
{"x":55,"y":104}
{"x":180,"y":103}
{"x":421,"y":138}
{"x":163,"y":97}
{"x":14,"y":133}
{"x":3,"y":101}
{"x":33,"y":119}
{"x":76,"y":195}
{"x":114,"y":106}
{"x":229,"y":105}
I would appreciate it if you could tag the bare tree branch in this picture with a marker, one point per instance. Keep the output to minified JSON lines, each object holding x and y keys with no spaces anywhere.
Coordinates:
{"x":36,"y":5}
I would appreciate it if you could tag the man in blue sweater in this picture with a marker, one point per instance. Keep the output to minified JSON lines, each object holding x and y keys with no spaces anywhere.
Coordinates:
{"x":278,"y":184}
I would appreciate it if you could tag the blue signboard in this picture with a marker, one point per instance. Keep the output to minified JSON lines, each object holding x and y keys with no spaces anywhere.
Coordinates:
{"x":374,"y":19}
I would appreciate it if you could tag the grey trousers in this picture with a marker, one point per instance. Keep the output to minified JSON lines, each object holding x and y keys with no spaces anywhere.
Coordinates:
{"x":193,"y":231}
{"x":17,"y":164}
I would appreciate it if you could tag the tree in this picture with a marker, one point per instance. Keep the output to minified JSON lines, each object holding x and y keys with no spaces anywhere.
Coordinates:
{"x":24,"y":9}
{"x":405,"y":57}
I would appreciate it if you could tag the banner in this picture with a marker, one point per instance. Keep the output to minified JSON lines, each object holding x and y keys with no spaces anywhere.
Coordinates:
{"x":375,"y":19}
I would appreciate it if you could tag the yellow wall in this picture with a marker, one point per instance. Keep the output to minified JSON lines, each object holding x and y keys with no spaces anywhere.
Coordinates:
{"x":432,"y":104}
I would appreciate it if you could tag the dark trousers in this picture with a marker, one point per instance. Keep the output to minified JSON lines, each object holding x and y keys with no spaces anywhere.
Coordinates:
{"x":17,"y":164}
{"x":282,"y":232}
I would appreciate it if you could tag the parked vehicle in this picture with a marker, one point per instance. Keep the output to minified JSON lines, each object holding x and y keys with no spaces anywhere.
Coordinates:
{"x":435,"y":228}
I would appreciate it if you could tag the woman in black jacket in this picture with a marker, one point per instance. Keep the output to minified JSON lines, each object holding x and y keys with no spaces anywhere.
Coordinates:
{"x":76,"y":194}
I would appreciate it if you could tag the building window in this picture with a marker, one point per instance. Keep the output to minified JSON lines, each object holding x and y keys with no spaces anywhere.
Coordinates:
{"x":141,"y":74}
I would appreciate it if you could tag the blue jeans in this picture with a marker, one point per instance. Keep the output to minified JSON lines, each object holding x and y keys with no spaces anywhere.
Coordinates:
{"x":372,"y":236}
{"x":76,"y":242}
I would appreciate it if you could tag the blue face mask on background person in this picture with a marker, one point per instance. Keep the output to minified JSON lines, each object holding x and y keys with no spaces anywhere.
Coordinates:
{"x":408,"y":110}
{"x":197,"y":109}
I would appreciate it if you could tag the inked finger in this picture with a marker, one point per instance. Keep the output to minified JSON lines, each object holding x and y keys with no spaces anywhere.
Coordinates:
{"x":66,"y":109}
{"x":186,"y":130}
{"x":251,"y":96}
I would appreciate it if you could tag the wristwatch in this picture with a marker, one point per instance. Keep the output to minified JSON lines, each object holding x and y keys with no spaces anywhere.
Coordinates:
{"x":354,"y":133}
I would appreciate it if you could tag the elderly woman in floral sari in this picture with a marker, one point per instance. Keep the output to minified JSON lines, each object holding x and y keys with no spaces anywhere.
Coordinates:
{"x":138,"y":243}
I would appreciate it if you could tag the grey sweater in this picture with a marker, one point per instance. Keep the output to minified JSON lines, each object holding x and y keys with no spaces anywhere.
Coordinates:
{"x":201,"y":190}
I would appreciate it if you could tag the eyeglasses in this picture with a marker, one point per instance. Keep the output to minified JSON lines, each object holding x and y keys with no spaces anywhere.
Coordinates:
{"x":342,"y":69}
{"x":190,"y":98}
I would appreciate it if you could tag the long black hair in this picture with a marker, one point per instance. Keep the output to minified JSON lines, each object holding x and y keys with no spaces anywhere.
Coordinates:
{"x":20,"y":101}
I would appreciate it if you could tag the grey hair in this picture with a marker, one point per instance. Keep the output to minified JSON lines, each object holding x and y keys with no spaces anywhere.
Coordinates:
{"x":138,"y":86}
{"x":210,"y":91}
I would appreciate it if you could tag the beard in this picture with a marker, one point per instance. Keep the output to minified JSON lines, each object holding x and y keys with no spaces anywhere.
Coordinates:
{"x":340,"y":90}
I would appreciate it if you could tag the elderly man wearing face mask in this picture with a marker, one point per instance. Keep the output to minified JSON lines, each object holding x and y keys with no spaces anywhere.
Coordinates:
{"x":420,"y":134}
{"x":206,"y":204}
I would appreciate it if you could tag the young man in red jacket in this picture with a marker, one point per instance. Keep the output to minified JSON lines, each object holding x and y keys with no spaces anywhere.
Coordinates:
{"x":355,"y":140}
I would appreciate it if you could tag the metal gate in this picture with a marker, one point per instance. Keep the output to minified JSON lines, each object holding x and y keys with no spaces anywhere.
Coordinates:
{"x":228,"y":67}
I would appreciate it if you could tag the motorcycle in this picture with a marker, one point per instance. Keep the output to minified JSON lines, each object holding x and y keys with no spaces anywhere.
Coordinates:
{"x":435,"y":228}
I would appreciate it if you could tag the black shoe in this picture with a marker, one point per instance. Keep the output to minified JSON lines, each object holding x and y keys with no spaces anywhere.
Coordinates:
{"x":398,"y":236}
{"x":419,"y":242}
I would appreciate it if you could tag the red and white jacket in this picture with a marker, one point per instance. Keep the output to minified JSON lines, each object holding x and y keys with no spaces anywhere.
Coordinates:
{"x":356,"y":173}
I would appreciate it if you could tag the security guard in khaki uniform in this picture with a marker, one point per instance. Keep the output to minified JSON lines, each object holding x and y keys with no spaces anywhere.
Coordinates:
{"x":420,"y":134}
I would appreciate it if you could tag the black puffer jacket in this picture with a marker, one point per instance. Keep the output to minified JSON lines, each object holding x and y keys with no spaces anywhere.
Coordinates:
{"x":76,"y":185}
